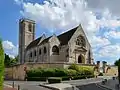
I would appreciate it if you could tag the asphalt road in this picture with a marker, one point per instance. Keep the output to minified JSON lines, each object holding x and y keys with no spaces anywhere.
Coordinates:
{"x":90,"y":87}
{"x":24,"y":85}
{"x":33,"y":85}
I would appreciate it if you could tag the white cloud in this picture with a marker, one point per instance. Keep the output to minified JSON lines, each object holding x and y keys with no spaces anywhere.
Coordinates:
{"x":114,"y":34}
{"x":10,"y":48}
{"x":8,"y":45}
{"x":98,"y":41}
{"x":110,"y":51}
{"x":62,"y":15}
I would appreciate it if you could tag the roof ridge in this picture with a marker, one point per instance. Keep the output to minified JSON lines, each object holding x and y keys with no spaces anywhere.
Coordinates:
{"x":68,"y":30}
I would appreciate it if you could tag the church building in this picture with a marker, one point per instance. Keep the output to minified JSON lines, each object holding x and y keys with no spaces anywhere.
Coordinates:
{"x":69,"y":47}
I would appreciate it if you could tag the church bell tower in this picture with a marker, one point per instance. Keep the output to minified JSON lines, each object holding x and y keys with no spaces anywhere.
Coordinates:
{"x":26,"y":35}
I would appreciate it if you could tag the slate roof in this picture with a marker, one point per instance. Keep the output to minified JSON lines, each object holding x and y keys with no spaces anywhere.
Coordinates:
{"x":65,"y":37}
{"x":45,"y":40}
{"x":34,"y":43}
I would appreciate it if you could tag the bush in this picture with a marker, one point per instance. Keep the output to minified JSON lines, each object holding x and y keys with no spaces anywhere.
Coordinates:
{"x":65,"y":74}
{"x":71,"y":72}
{"x":74,"y":67}
{"x":65,"y":78}
{"x":36,"y":78}
{"x":60,"y":72}
{"x":1,"y":65}
{"x":100,"y":74}
{"x":54,"y":80}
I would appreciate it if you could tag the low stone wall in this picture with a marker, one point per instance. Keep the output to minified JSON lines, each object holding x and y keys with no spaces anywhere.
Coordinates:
{"x":17,"y":72}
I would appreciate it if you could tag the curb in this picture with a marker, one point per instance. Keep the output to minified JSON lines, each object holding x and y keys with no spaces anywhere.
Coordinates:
{"x":8,"y":85}
{"x":53,"y":88}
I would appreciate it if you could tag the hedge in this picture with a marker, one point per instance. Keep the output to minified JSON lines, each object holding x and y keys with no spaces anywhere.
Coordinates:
{"x":65,"y":74}
{"x":54,"y":80}
{"x":62,"y":78}
{"x":36,"y":78}
{"x":1,"y":65}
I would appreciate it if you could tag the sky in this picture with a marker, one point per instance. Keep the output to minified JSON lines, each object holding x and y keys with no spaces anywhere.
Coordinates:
{"x":100,"y":20}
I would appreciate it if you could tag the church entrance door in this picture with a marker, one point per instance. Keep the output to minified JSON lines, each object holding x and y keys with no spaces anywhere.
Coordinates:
{"x":79,"y":59}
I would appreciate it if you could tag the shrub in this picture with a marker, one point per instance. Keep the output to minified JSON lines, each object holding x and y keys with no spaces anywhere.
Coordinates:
{"x":59,"y":72}
{"x":54,"y":80}
{"x":48,"y":72}
{"x":71,"y":72}
{"x":65,"y":78}
{"x":65,"y":74}
{"x":74,"y":67}
{"x":100,"y":74}
{"x":36,"y":78}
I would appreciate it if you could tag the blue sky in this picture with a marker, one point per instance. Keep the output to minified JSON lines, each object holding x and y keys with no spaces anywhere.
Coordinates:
{"x":101,"y":23}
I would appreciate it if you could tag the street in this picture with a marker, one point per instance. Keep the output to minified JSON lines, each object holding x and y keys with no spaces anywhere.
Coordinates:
{"x":33,"y":85}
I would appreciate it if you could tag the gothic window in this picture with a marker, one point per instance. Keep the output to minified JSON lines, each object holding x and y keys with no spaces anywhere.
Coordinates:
{"x":45,"y":50}
{"x":35,"y":53}
{"x":39,"y":51}
{"x":30,"y":27}
{"x":80,"y":41}
{"x":30,"y":54}
{"x":55,"y":50}
{"x":89,"y":56}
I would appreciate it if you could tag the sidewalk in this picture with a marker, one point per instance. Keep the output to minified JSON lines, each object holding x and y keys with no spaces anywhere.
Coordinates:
{"x":7,"y":87}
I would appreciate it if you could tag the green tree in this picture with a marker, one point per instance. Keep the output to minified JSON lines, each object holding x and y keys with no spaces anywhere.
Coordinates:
{"x":7,"y":60}
{"x":10,"y":61}
{"x":117,"y":63}
{"x":1,"y":65}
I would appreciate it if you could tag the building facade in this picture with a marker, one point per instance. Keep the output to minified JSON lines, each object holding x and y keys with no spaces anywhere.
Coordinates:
{"x":69,"y":47}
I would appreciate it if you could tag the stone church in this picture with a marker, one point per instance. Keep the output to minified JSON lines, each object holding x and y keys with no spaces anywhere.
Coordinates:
{"x":69,"y":47}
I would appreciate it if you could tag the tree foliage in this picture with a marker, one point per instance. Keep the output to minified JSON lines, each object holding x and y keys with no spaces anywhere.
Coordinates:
{"x":1,"y":65}
{"x":117,"y":63}
{"x":10,"y":61}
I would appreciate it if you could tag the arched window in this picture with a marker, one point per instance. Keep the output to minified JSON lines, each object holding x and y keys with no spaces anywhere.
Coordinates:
{"x":39,"y":51}
{"x":55,"y":50}
{"x":30,"y":27}
{"x":35,"y":53}
{"x":30,"y":54}
{"x":45,"y":50}
{"x":80,"y":41}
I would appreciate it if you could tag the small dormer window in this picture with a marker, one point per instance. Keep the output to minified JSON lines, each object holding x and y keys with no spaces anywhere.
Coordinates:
{"x":30,"y":27}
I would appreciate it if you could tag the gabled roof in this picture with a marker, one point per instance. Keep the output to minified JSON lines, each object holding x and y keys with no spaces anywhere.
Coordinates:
{"x":34,"y":43}
{"x":45,"y":40}
{"x":65,"y":37}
